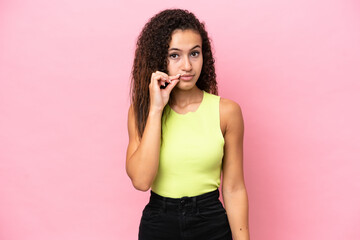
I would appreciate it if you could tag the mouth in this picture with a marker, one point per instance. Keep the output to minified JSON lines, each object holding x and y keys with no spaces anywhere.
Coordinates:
{"x":186,"y":77}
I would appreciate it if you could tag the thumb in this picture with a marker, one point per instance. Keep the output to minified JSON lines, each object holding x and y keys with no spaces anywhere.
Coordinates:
{"x":171,"y":85}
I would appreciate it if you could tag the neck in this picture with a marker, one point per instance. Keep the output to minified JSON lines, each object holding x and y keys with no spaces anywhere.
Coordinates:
{"x":182,"y":98}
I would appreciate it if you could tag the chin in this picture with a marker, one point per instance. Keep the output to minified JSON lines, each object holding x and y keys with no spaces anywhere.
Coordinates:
{"x":185,"y":86}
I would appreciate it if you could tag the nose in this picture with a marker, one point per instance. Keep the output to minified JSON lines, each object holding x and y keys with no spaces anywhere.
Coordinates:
{"x":187,"y":64}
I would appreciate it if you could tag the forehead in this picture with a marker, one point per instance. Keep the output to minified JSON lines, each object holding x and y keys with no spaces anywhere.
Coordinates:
{"x":185,"y":39}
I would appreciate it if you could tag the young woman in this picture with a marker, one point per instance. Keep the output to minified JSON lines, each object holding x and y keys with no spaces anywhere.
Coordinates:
{"x":182,"y":135}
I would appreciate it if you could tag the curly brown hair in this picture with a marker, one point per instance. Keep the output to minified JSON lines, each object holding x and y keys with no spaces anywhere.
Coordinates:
{"x":151,"y":56}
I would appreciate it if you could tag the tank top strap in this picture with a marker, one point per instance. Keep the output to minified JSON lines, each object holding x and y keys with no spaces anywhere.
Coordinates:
{"x":210,"y":108}
{"x":212,"y":112}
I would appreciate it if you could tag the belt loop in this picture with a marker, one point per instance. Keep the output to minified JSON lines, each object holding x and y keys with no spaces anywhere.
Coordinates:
{"x":164,"y":204}
{"x":195,"y":205}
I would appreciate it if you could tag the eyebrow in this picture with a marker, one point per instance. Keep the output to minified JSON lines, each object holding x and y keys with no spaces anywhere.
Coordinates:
{"x":180,"y":50}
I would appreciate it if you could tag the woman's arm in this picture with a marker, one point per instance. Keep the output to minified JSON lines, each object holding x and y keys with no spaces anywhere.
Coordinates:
{"x":233,"y":186}
{"x":142,"y":156}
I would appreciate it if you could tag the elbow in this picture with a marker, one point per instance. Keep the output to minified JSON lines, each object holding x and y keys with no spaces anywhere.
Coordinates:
{"x":140,"y":181}
{"x":141,"y":186}
{"x":233,"y":189}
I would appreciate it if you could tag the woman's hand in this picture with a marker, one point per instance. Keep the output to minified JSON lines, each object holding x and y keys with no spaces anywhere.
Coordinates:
{"x":160,"y":97}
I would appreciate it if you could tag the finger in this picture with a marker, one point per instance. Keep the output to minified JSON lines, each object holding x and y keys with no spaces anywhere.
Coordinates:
{"x":171,"y":85}
{"x":171,"y":78}
{"x":158,"y":78}
{"x":154,"y":77}
{"x":164,"y":75}
{"x":168,"y":78}
{"x":162,"y":83}
{"x":174,"y":77}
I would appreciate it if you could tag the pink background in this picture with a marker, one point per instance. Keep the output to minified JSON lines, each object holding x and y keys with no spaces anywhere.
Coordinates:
{"x":293,"y":66}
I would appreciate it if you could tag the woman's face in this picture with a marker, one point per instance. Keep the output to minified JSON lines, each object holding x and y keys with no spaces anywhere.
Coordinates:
{"x":185,"y":57}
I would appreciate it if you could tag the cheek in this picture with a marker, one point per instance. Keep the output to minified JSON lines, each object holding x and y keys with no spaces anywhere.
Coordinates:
{"x":173,"y":64}
{"x":170,"y":65}
{"x":199,"y":64}
{"x":172,"y":68}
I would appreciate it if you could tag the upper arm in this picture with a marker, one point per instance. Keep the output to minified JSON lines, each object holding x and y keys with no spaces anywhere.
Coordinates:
{"x":233,"y":176}
{"x":134,"y":140}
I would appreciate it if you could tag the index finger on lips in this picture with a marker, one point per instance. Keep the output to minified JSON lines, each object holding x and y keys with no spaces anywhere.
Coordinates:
{"x":175,"y":77}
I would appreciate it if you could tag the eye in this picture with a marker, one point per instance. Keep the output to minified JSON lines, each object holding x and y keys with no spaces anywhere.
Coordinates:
{"x":173,"y":55}
{"x":195,"y":54}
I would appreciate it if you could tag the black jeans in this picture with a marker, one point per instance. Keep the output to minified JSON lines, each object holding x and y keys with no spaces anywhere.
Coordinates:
{"x":186,"y":218}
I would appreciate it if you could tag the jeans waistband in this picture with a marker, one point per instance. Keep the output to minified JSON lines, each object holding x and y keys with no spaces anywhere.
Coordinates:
{"x":184,"y":204}
{"x":199,"y":198}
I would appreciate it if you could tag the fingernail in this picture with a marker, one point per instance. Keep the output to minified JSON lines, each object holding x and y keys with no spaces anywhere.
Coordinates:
{"x":170,"y":80}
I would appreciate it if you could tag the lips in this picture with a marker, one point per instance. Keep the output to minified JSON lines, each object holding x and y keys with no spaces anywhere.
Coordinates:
{"x":186,"y":77}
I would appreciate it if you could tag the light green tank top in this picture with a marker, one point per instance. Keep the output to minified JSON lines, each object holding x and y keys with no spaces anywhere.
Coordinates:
{"x":191,"y":151}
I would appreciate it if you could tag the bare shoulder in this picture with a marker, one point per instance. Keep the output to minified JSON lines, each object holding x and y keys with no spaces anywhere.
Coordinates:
{"x":230,"y":114}
{"x":229,"y":105}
